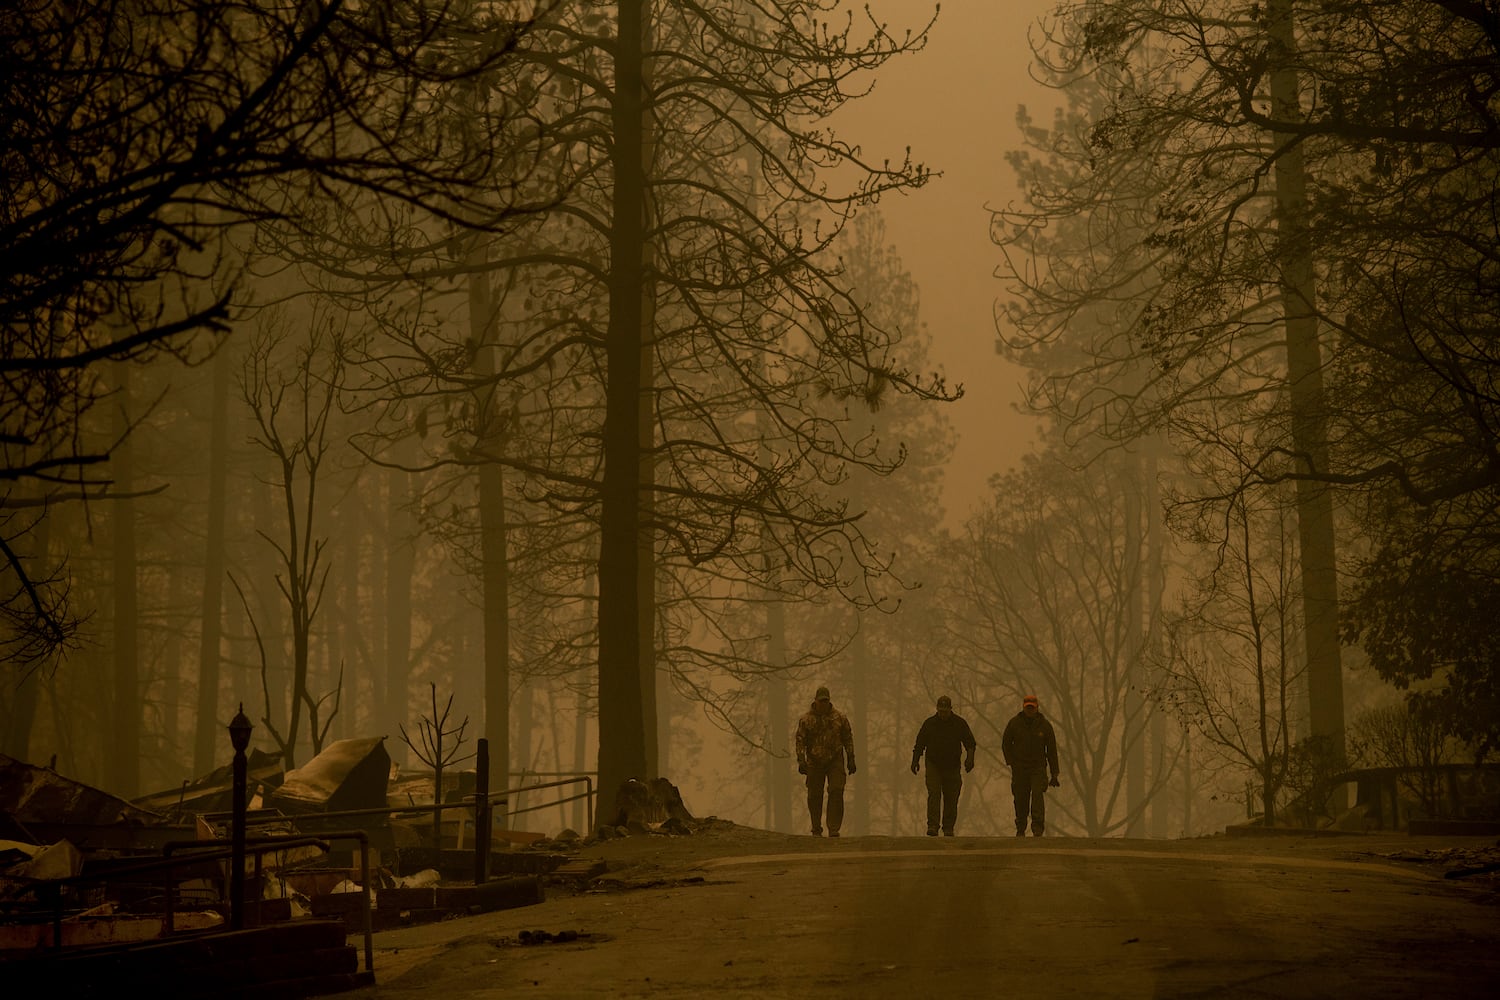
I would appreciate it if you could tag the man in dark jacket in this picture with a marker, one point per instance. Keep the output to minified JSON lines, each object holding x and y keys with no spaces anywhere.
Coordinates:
{"x":1030,"y":749}
{"x":942,"y":737}
{"x":824,"y":742}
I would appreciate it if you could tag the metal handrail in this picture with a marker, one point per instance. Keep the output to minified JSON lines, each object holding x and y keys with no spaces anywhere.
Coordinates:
{"x":467,"y":803}
{"x":52,"y":889}
{"x":269,"y":843}
{"x":555,"y":802}
{"x":588,"y":793}
{"x":224,"y":850}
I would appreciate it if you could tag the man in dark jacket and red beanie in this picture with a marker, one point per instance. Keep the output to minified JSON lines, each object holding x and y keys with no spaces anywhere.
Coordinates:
{"x":824,"y":741}
{"x":943,"y":737}
{"x":1030,"y":749}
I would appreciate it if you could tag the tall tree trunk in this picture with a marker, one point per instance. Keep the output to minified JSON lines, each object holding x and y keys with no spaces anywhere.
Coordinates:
{"x":778,"y":712}
{"x":899,"y":735}
{"x":124,"y":767}
{"x":652,"y":715}
{"x":400,"y":565}
{"x":494,"y":555}
{"x":337,"y":647}
{"x":206,"y":728}
{"x":1156,"y":575}
{"x":1133,"y":731}
{"x":274,"y":621}
{"x":347,"y":657}
{"x":299,"y":684}
{"x":1315,"y":527}
{"x":299,"y":611}
{"x":171,"y":742}
{"x":25,"y":695}
{"x":1187,"y":788}
{"x":622,"y":737}
{"x":651,"y":680}
{"x":525,"y":758}
{"x":859,"y":710}
{"x":580,"y":759}
{"x":522,"y":759}
{"x":581,"y":724}
{"x":664,"y":699}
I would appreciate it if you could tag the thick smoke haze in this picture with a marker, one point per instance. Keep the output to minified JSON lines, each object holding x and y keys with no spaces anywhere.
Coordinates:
{"x":954,"y":103}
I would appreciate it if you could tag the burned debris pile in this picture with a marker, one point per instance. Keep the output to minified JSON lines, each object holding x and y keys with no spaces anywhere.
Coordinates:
{"x":328,"y":843}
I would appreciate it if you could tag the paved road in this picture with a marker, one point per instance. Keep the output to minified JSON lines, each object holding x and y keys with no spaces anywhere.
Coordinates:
{"x":984,"y":918}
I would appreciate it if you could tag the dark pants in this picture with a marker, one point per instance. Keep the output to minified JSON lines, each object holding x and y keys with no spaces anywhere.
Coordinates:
{"x":943,"y":786}
{"x":1028,"y":785}
{"x":833,"y":775}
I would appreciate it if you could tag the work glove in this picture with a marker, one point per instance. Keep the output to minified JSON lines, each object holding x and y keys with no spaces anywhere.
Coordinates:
{"x":801,"y":768}
{"x":851,"y":765}
{"x":968,"y":765}
{"x":915,"y":767}
{"x":1054,"y":783}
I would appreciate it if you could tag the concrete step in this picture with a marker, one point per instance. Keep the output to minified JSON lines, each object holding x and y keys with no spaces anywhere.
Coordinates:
{"x":269,"y":961}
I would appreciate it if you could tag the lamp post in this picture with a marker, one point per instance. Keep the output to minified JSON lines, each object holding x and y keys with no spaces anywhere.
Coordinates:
{"x":239,"y":737}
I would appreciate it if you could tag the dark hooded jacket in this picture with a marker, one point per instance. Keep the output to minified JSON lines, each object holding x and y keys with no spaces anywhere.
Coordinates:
{"x":944,"y":740}
{"x":1029,"y":742}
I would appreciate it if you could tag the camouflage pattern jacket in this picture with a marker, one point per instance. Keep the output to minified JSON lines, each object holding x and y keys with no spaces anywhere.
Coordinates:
{"x":824,"y":739}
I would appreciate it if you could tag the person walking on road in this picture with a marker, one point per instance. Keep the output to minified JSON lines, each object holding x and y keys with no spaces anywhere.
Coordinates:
{"x":943,"y":737}
{"x":1030,"y":749}
{"x":824,"y":742}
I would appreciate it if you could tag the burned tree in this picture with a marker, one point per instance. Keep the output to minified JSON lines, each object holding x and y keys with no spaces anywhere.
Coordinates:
{"x":135,"y":138}
{"x":434,"y":750}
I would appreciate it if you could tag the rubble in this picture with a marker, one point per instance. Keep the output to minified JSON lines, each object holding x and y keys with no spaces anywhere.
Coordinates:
{"x":346,"y":786}
{"x":211,"y":793}
{"x":39,"y":795}
{"x":648,"y":807}
{"x":348,"y":774}
{"x":547,"y":937}
{"x":1456,"y":862}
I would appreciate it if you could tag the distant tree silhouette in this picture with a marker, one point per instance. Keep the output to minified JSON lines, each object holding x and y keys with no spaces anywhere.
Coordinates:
{"x":134,"y":139}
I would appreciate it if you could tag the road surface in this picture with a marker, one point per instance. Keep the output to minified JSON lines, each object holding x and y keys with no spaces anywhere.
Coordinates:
{"x":976,"y":917}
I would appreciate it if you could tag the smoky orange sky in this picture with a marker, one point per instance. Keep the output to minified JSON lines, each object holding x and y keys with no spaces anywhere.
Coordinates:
{"x":955,"y":104}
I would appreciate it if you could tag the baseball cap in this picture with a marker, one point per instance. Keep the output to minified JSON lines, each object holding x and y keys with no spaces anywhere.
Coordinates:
{"x":944,"y":702}
{"x":822,"y":695}
{"x":1030,"y":699}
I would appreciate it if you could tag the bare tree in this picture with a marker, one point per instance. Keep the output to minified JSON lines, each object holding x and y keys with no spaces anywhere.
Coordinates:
{"x":1415,"y":737}
{"x":1232,"y":668}
{"x":436,"y":752}
{"x":1303,"y":180}
{"x":135,"y":138}
{"x":1045,"y":602}
{"x":629,"y":336}
{"x":291,"y":401}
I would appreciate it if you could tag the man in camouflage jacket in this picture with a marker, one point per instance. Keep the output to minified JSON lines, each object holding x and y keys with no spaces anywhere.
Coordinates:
{"x":824,"y":740}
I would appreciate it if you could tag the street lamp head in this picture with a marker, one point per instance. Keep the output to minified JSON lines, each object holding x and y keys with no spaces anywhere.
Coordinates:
{"x":239,"y":730}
